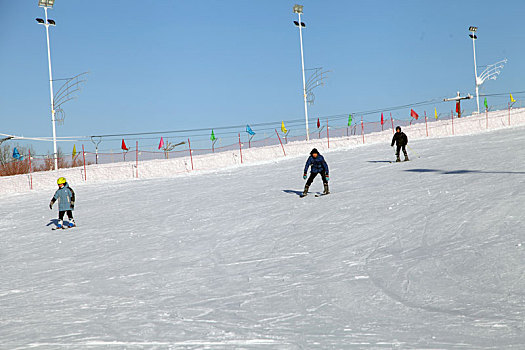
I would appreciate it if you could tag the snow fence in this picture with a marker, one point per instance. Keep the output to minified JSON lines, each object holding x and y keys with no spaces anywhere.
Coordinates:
{"x":335,"y":139}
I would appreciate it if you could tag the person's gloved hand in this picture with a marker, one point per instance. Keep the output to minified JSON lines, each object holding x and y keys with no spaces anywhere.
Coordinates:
{"x":72,"y":205}
{"x":327,"y":177}
{"x":304,"y":176}
{"x":51,"y":205}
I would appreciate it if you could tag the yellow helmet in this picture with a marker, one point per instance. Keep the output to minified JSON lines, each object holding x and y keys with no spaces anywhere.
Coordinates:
{"x":61,"y":180}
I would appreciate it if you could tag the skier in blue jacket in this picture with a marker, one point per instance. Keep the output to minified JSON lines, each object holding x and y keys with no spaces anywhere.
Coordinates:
{"x":66,"y":202}
{"x":319,"y":166}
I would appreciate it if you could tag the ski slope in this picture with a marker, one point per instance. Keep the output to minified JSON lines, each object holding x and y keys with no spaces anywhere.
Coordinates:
{"x":423,"y":254}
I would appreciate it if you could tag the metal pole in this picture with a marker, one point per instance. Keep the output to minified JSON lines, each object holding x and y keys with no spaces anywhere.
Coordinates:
{"x":475,"y":69}
{"x":304,"y":80}
{"x":55,"y":154}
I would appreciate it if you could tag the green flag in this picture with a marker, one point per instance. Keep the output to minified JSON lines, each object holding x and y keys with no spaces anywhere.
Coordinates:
{"x":486,"y":104}
{"x":349,"y":120}
{"x":212,"y":137}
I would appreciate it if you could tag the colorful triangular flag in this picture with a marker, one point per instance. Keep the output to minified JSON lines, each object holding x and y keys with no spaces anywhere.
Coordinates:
{"x":212,"y":137}
{"x":249,"y":130}
{"x":512,"y":98}
{"x":436,"y":113}
{"x":74,"y":151}
{"x":318,"y":123}
{"x":161,"y":143}
{"x":123,"y":146}
{"x":283,"y":128}
{"x":349,"y":120}
{"x":382,"y":119}
{"x":16,"y":154}
{"x":413,"y":114}
{"x":486,"y":104}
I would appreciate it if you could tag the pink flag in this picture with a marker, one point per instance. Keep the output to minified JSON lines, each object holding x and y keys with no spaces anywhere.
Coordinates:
{"x":382,"y":119}
{"x":161,"y":144}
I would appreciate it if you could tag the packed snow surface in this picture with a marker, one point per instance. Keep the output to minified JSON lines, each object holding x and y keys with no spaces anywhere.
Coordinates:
{"x":423,"y":254}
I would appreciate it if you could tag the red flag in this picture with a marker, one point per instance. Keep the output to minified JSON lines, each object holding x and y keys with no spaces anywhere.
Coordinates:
{"x":124,"y":147}
{"x":318,"y":123}
{"x":161,"y":144}
{"x":382,"y":120}
{"x":458,"y":107}
{"x":413,"y":114}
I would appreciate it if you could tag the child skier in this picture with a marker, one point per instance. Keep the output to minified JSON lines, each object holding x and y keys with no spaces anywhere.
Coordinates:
{"x":401,"y":140}
{"x":66,"y":202}
{"x":319,"y":166}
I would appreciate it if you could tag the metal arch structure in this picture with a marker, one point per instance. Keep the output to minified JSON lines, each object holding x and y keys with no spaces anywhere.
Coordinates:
{"x":491,"y":72}
{"x":316,"y":79}
{"x":66,"y":93}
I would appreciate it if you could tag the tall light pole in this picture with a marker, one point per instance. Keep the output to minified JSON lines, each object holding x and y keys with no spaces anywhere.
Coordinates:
{"x":46,"y":23}
{"x":491,"y":72}
{"x":299,"y":10}
{"x":473,"y":30}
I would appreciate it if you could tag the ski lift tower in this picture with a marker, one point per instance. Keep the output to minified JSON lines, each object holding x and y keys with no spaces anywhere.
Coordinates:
{"x":458,"y":99}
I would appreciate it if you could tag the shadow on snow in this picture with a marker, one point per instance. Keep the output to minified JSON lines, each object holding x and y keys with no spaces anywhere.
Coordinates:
{"x":456,"y":172}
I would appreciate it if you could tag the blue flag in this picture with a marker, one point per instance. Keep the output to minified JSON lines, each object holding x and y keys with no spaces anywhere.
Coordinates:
{"x":249,"y":130}
{"x":16,"y":155}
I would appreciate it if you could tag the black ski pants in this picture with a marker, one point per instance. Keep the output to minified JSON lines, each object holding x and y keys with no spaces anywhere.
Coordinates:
{"x":399,"y":147}
{"x":312,"y":177}
{"x":62,"y":212}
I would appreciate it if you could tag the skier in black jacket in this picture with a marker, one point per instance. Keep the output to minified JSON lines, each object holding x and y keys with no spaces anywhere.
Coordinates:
{"x":401,"y":140}
{"x":319,"y":166}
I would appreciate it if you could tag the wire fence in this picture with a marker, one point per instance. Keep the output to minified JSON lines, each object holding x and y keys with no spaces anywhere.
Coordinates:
{"x":358,"y":130}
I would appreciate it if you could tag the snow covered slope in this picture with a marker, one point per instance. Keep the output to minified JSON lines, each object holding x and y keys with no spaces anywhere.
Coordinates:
{"x":424,"y":254}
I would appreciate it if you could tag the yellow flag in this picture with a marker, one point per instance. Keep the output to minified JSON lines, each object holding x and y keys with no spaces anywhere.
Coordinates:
{"x":512,"y":98}
{"x":74,"y":151}
{"x":436,"y":113}
{"x":283,"y":128}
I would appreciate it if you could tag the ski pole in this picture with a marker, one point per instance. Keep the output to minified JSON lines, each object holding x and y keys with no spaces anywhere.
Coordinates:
{"x":411,"y":150}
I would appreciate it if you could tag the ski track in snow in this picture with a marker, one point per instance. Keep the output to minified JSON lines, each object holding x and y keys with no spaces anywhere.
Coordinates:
{"x":423,"y":254}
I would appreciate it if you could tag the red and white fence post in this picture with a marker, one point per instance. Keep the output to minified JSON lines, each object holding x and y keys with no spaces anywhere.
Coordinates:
{"x":279,"y":137}
{"x":191,"y":156}
{"x":84,"y":158}
{"x":363,"y":130}
{"x":240,"y":146}
{"x":137,"y":161}
{"x":30,"y":172}
{"x":392,"y":120}
{"x":327,"y":133}
{"x":426,"y":124}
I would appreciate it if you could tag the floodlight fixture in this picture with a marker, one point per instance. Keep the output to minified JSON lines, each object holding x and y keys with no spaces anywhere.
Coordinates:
{"x":46,"y":3}
{"x":51,"y":22}
{"x":40,"y":20}
{"x":298,"y":8}
{"x":472,"y":28}
{"x":297,"y":24}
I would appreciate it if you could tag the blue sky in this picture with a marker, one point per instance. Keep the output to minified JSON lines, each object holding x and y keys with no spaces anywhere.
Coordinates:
{"x":168,"y":65}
